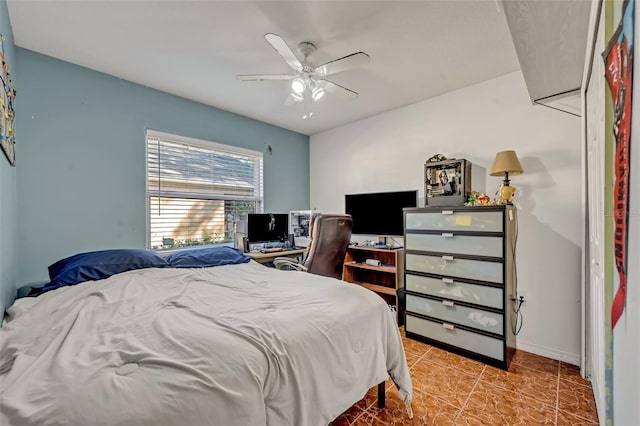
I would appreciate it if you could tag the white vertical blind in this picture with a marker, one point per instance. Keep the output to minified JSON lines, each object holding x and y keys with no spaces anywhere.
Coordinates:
{"x":197,"y":190}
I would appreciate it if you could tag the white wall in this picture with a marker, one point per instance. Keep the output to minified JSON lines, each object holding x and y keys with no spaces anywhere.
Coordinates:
{"x":388,"y":151}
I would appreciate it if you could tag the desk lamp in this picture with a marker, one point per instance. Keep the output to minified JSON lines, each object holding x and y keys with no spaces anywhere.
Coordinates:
{"x":506,"y":163}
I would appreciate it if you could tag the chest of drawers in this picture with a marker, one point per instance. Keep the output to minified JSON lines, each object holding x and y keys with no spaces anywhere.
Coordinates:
{"x":459,"y":279}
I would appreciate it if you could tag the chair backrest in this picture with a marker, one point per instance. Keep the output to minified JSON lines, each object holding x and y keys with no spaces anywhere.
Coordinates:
{"x":330,"y":237}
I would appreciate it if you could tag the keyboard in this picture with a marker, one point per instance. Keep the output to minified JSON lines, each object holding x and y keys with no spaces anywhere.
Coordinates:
{"x":272,"y":250}
{"x":280,"y":249}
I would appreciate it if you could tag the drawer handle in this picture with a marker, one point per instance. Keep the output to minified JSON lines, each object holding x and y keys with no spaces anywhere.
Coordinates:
{"x":447,"y":303}
{"x":448,"y":326}
{"x":447,"y":257}
{"x":447,"y":280}
{"x":447,"y":211}
{"x":447,"y":235}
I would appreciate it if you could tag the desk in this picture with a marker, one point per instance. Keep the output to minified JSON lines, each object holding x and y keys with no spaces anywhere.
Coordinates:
{"x":269,"y":257}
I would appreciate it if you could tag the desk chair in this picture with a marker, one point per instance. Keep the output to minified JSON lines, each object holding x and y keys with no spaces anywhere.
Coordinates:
{"x":330,"y":236}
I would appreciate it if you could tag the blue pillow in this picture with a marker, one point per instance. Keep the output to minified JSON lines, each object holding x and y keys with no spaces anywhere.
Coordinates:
{"x":98,"y":265}
{"x":204,"y":258}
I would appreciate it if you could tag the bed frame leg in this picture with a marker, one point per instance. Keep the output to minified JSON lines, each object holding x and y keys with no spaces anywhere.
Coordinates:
{"x":381,"y":395}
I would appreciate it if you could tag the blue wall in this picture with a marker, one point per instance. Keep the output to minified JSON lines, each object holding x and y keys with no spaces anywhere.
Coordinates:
{"x":8,"y":264}
{"x":81,"y":175}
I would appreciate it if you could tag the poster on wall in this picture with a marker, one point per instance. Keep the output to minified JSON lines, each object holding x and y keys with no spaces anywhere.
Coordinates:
{"x":7,"y":113}
{"x":618,"y":59}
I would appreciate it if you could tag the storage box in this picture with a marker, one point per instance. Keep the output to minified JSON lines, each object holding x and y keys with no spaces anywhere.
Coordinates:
{"x":447,"y":183}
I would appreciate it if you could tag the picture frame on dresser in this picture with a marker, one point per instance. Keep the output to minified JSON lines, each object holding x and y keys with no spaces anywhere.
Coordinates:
{"x":460,"y":278}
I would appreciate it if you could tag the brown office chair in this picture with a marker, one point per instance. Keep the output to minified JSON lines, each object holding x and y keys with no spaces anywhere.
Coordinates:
{"x":330,"y":236}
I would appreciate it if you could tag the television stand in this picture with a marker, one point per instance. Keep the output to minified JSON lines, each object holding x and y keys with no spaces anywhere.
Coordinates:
{"x":384,"y":280}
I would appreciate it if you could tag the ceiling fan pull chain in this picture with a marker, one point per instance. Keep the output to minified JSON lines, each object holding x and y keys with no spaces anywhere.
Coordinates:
{"x":307,"y":108}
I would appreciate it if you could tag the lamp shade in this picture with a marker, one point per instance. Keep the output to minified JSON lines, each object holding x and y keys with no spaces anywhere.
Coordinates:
{"x":506,"y":162}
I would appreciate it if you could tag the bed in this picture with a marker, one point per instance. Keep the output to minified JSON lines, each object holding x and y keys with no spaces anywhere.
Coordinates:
{"x":235,"y":344}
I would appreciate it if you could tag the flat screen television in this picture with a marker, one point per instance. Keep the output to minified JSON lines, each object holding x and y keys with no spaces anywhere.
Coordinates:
{"x":379,"y":213}
{"x":267,"y":227}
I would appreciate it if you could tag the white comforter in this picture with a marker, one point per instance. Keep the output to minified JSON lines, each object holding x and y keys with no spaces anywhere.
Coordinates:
{"x":231,"y":345}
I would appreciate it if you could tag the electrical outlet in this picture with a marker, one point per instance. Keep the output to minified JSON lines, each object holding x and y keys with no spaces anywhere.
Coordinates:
{"x":520,"y":298}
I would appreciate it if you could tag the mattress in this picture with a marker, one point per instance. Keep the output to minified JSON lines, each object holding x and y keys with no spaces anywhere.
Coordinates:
{"x":229,"y":345}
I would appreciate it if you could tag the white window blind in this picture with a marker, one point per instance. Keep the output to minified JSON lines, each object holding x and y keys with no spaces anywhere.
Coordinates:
{"x":197,"y":191}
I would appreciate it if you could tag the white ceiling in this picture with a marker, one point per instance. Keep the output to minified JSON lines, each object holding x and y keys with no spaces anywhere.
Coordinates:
{"x":194,"y":49}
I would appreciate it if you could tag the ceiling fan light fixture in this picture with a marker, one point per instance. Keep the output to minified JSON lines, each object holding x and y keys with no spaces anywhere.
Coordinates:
{"x":317,"y":93}
{"x":296,"y":97}
{"x":298,"y":86}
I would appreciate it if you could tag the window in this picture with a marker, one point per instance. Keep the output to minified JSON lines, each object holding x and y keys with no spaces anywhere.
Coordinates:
{"x":197,"y":191}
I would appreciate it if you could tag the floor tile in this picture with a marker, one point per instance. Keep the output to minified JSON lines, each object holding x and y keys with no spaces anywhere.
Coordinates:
{"x":370,"y":397}
{"x":465,"y":419}
{"x":449,"y":359}
{"x":415,"y":347}
{"x":346,"y":418}
{"x":362,"y":421}
{"x":569,"y":419}
{"x":427,"y":411}
{"x":571,"y":373}
{"x":537,"y":384}
{"x":577,"y":400}
{"x":499,"y":406}
{"x":448,"y":384}
{"x":413,"y":357}
{"x":534,"y":361}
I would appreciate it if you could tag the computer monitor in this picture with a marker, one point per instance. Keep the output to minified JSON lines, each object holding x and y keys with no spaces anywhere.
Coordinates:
{"x":267,"y":227}
{"x":379,"y":213}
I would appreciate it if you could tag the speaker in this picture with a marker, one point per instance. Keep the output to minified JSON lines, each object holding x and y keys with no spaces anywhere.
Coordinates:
{"x":245,"y":244}
{"x":291,"y":241}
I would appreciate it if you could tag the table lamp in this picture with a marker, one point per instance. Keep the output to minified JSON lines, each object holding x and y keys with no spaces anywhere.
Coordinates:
{"x":506,"y":163}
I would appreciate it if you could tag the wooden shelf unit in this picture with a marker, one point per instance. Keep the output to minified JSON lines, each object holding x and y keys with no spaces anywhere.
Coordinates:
{"x":384,"y":280}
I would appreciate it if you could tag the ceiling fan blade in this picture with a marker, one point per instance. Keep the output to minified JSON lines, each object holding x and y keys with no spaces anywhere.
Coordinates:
{"x":260,"y":77}
{"x":336,"y":89}
{"x":284,"y":50}
{"x":354,"y":60}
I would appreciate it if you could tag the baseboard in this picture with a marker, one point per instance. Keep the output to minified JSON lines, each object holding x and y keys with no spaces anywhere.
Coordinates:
{"x":569,"y":358}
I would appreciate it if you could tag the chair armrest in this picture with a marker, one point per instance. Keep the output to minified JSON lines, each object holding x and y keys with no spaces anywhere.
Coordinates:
{"x":286,"y":264}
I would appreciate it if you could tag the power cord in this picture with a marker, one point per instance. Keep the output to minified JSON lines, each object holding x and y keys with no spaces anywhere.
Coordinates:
{"x":517,"y":325}
{"x":519,"y":301}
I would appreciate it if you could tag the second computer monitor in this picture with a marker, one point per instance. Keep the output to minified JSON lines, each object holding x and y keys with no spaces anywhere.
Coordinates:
{"x":267,"y":227}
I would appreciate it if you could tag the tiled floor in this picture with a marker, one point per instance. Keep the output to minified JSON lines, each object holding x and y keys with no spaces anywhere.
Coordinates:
{"x":453,"y":390}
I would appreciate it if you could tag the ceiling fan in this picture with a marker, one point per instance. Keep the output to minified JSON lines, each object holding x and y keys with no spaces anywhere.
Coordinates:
{"x":307,"y":81}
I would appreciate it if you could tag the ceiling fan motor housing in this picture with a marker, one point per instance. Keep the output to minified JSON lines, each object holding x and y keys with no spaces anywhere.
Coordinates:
{"x":306,"y":48}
